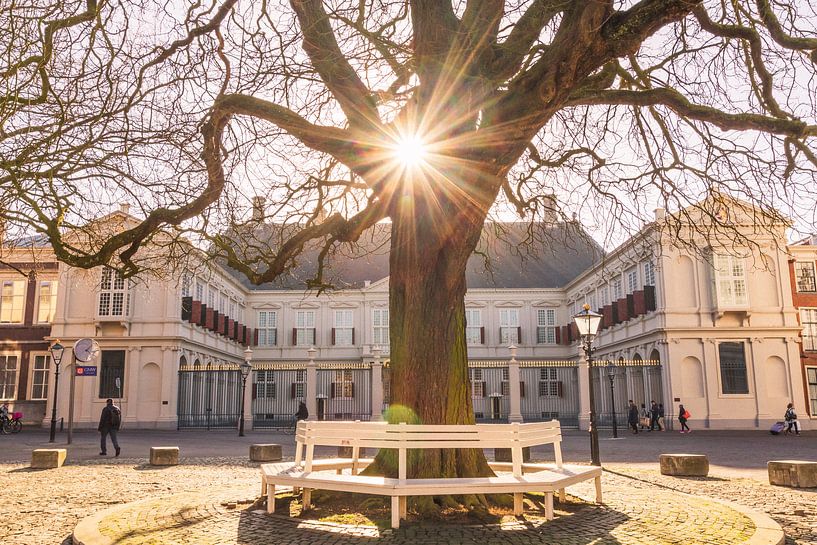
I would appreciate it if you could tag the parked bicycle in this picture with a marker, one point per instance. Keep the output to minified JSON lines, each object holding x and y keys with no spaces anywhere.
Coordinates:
{"x":11,"y":424}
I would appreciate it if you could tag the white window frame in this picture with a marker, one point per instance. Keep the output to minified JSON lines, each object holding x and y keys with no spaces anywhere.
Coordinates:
{"x":344,"y":325}
{"x":48,"y":296}
{"x":617,"y":294}
{"x":808,"y":321}
{"x":265,"y":387}
{"x":380,"y":327}
{"x":300,"y":384}
{"x":40,"y":368}
{"x":632,"y":280}
{"x":806,"y":283}
{"x":12,"y":301}
{"x":199,"y":291}
{"x":476,"y":377}
{"x":267,"y":328}
{"x":113,"y":292}
{"x":649,"y":273}
{"x":729,"y":273}
{"x":546,"y":326}
{"x":604,"y":295}
{"x":186,"y":284}
{"x":211,"y":297}
{"x":344,"y":381}
{"x":11,"y":376}
{"x":305,"y":328}
{"x":548,"y":385}
{"x":811,"y":388}
{"x":508,"y":326}
{"x":473,"y":326}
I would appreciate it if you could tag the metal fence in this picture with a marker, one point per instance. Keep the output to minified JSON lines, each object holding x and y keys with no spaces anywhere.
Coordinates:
{"x":551,"y":392}
{"x":209,"y":397}
{"x":276,"y":393}
{"x":344,"y":392}
{"x":638,"y":380}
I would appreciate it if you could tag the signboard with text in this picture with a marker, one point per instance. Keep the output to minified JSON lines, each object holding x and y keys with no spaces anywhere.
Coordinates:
{"x":86,"y":370}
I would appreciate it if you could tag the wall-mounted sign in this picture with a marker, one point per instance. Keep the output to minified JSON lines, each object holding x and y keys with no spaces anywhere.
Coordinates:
{"x":86,"y":370}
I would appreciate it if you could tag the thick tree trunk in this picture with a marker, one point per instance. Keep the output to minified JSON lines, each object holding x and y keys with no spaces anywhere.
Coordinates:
{"x":429,"y":363}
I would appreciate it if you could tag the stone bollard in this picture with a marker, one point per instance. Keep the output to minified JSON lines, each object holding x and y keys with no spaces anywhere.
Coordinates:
{"x":684,"y":465}
{"x":265,"y":453}
{"x":164,"y":456}
{"x":794,"y":473}
{"x":48,"y":458}
{"x":504,"y":455}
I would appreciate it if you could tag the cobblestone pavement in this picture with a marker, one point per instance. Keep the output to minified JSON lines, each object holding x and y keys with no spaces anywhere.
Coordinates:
{"x":43,"y":507}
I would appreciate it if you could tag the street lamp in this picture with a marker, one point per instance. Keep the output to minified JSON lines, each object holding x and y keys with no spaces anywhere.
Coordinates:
{"x":611,"y":374}
{"x":246,"y":367}
{"x":56,"y":356}
{"x":587,"y":322}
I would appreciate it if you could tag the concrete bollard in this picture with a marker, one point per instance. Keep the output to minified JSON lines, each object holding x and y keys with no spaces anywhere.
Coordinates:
{"x":684,"y":465}
{"x":265,"y":453}
{"x":794,"y":473}
{"x":48,"y":458}
{"x":164,"y":456}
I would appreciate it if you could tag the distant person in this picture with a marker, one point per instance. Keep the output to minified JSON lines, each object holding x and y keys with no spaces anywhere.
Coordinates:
{"x":661,"y":422}
{"x":303,"y":412}
{"x":109,"y":423}
{"x":791,"y":420}
{"x":683,"y":416}
{"x":644,"y":417}
{"x":632,"y":417}
{"x":4,"y":411}
{"x":654,"y":415}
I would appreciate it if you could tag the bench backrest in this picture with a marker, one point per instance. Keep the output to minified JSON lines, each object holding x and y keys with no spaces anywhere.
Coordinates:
{"x":403,"y":437}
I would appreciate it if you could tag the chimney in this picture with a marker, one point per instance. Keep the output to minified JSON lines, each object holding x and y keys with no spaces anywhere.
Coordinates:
{"x":550,"y":211}
{"x":258,"y":204}
{"x":124,"y":208}
{"x":660,"y":214}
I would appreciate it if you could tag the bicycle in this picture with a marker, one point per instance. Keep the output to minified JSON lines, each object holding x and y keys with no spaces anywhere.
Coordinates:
{"x":11,"y":424}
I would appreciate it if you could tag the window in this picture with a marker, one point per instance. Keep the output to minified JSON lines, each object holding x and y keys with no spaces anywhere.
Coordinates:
{"x":343,"y":333}
{"x":47,"y":302}
{"x":616,"y":289}
{"x":730,"y":281}
{"x":604,"y":295}
{"x":113,"y":294}
{"x":632,"y":281}
{"x":222,"y":303}
{"x":477,"y":385}
{"x":112,"y":374}
{"x":343,"y":385}
{"x":231,"y":309}
{"x":591,"y":300}
{"x":546,"y":326}
{"x":549,"y":386}
{"x":474,"y":333}
{"x":267,"y":328}
{"x":199,"y":291}
{"x":804,"y":276}
{"x":509,"y":326}
{"x":380,"y":327}
{"x":811,"y":373}
{"x":808,"y":319}
{"x":8,"y":377}
{"x":304,"y":328}
{"x":649,"y":274}
{"x":12,"y":301}
{"x":39,"y":378}
{"x":211,"y":297}
{"x":733,"y":368}
{"x":265,"y":384}
{"x":187,"y":281}
{"x":299,"y":386}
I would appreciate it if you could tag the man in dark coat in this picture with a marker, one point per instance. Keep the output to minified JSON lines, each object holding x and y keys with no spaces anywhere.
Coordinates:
{"x":303,"y":412}
{"x":109,"y":423}
{"x":632,"y":417}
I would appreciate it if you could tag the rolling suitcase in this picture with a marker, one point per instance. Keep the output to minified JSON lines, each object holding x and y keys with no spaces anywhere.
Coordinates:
{"x":777,"y":427}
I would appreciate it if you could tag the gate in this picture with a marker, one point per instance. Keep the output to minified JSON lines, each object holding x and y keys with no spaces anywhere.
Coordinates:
{"x":209,"y":397}
{"x":550,"y":391}
{"x":277,"y":389}
{"x":344,"y":391}
{"x":639,"y":380}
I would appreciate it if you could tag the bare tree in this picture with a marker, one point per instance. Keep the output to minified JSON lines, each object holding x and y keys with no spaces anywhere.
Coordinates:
{"x":428,"y":113}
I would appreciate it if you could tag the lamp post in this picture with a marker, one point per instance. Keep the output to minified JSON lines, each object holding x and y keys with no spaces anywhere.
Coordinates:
{"x":57,"y":351}
{"x":246,"y":367}
{"x":587,"y":322}
{"x":611,"y":374}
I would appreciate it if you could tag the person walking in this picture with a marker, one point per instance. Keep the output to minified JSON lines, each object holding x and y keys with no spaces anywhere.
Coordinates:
{"x":303,"y":412}
{"x":791,"y":420}
{"x":632,"y":417}
{"x":683,"y":416}
{"x":654,"y":416}
{"x":661,"y":425}
{"x":644,"y":417}
{"x":109,"y":423}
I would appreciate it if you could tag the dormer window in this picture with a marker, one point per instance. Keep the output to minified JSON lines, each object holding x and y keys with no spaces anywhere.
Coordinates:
{"x":113,"y":294}
{"x":730,"y":281}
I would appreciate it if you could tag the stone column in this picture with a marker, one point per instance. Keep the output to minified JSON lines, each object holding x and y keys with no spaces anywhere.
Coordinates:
{"x":513,"y":387}
{"x":584,"y":394}
{"x":377,"y":385}
{"x":312,"y":385}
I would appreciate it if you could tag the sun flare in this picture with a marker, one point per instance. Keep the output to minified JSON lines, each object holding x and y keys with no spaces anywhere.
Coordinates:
{"x":410,"y":150}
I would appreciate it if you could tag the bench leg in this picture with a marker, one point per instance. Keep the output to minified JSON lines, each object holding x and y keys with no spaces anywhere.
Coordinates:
{"x":598,"y":489}
{"x":307,"y":499}
{"x":270,"y":498}
{"x":517,"y":504}
{"x":403,"y":507}
{"x":395,"y":511}
{"x":562,"y":497}
{"x":339,"y":471}
{"x":263,"y":487}
{"x":549,"y":505}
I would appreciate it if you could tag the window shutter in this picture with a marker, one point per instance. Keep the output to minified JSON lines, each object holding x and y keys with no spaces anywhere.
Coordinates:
{"x":558,"y":335}
{"x":255,"y":337}
{"x":484,"y":390}
{"x":332,"y":390}
{"x":292,"y":391}
{"x":294,"y":336}
{"x":276,"y":337}
{"x":333,"y":336}
{"x":482,"y":335}
{"x":353,"y":389}
{"x":353,"y":335}
{"x":559,"y":389}
{"x":314,"y":336}
{"x":521,"y":389}
{"x":519,"y":335}
{"x":254,"y":390}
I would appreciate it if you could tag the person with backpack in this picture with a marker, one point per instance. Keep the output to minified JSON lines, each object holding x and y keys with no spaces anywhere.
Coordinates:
{"x":109,"y":423}
{"x":791,"y":420}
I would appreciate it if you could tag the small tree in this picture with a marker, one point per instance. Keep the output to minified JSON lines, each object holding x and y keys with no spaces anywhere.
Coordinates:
{"x":428,"y":113}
